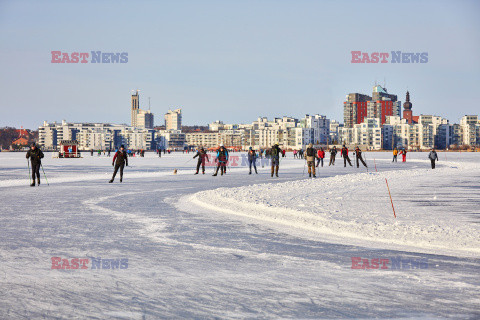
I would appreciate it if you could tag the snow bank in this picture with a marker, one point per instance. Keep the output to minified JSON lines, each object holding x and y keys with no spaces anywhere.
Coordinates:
{"x":432,"y":215}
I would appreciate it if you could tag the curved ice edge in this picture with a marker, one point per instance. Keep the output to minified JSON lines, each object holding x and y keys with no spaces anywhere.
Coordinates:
{"x":313,"y":227}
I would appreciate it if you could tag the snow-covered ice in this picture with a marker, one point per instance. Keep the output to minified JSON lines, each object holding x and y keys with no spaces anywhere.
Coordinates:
{"x":241,"y":246}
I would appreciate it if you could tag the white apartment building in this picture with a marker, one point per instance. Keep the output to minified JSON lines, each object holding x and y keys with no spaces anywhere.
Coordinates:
{"x":470,"y":130}
{"x":429,"y":132}
{"x":202,"y":139}
{"x":321,"y":128}
{"x":97,"y":136}
{"x":368,"y":133}
{"x":172,"y":139}
{"x":333,"y":135}
{"x":173,"y":120}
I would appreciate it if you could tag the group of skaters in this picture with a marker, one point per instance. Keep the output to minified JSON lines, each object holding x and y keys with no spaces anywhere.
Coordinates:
{"x":313,"y":159}
{"x":130,"y":153}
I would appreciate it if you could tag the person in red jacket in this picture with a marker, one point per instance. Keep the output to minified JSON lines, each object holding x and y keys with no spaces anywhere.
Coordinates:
{"x":344,"y":154}
{"x":320,"y":156}
{"x":121,"y":160}
{"x":403,"y":152}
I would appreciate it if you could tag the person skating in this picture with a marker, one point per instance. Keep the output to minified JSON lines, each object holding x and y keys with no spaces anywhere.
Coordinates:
{"x":320,"y":156}
{"x":252,"y":159}
{"x":333,"y":153}
{"x":433,"y":156}
{"x":120,"y":160}
{"x":108,"y":152}
{"x":395,"y":153}
{"x":358,"y":156}
{"x":344,"y":154}
{"x":310,"y":155}
{"x":202,"y":158}
{"x":35,"y":155}
{"x":275,"y":158}
{"x":404,"y":155}
{"x":91,"y":152}
{"x":222,"y":158}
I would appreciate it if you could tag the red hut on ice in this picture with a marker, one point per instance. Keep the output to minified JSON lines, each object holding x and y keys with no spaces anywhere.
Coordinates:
{"x":68,"y":149}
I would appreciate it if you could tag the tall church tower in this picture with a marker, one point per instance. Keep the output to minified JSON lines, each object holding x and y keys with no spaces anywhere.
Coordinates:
{"x":135,"y":107}
{"x":407,"y":109}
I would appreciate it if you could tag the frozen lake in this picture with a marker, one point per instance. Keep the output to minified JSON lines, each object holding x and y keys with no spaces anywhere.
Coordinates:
{"x":241,"y":246}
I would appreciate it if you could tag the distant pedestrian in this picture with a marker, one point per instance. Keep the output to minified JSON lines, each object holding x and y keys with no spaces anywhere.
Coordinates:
{"x":395,"y":153}
{"x":433,"y":157}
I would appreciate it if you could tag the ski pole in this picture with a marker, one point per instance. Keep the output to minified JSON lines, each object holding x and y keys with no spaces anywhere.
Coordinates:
{"x":29,"y":174}
{"x":44,"y":174}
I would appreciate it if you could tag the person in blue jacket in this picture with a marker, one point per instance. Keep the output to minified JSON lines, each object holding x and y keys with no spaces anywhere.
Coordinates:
{"x":222,"y":159}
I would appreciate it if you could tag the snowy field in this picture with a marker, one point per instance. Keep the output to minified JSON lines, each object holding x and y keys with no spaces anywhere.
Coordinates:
{"x":240,"y":246}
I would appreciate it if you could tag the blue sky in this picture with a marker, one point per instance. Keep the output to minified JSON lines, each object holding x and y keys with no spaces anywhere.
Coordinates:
{"x":232,"y":60}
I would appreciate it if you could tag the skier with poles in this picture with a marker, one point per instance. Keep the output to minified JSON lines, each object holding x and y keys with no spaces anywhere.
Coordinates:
{"x":275,"y":158}
{"x":433,"y":156}
{"x":344,"y":154}
{"x":310,"y":155}
{"x":358,"y":156}
{"x":202,"y":156}
{"x":320,"y":156}
{"x":222,"y":158}
{"x":35,"y":155}
{"x":120,"y":159}
{"x":252,"y":159}
{"x":333,"y":153}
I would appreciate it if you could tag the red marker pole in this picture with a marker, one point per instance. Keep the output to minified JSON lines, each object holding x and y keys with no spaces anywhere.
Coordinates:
{"x":375,"y":165}
{"x":390,"y":198}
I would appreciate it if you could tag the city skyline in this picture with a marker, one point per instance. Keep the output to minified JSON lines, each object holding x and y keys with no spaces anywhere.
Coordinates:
{"x":233,"y":62}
